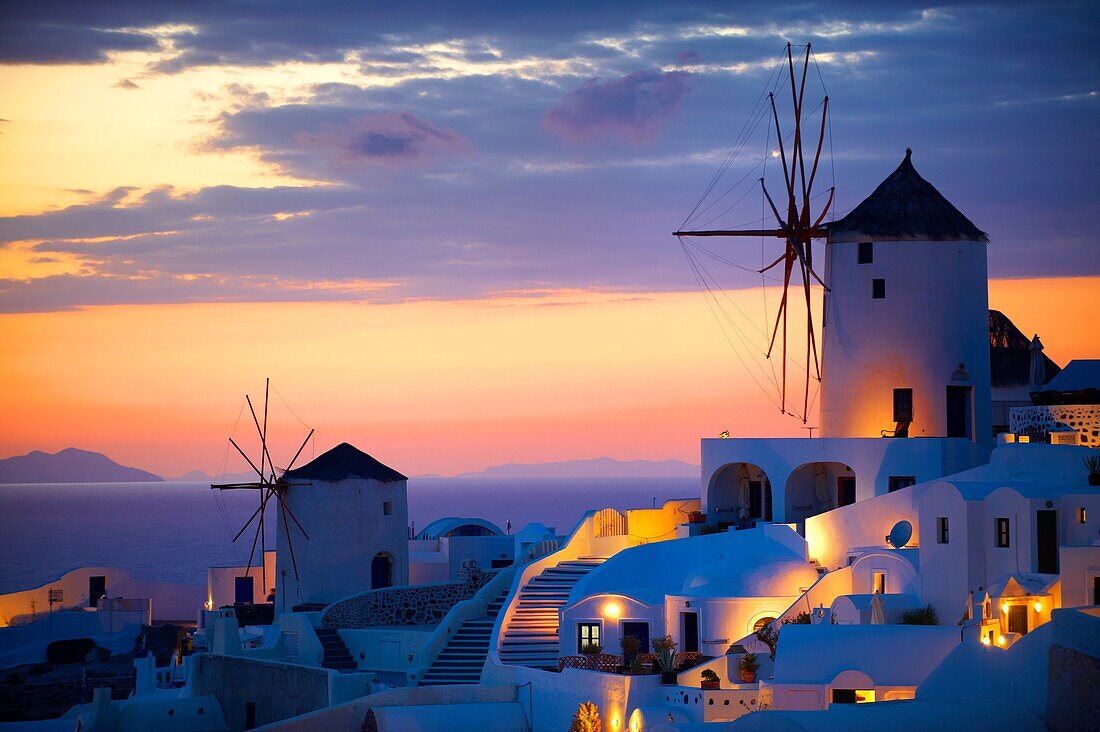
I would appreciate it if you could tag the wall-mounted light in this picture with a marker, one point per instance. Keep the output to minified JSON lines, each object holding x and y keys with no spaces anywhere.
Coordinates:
{"x":612,"y":609}
{"x":985,"y":640}
{"x":1004,"y":608}
{"x":1038,"y":606}
{"x":1000,"y":640}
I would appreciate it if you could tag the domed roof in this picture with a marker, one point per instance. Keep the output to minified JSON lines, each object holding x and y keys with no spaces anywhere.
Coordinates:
{"x":905,"y":207}
{"x":750,"y":576}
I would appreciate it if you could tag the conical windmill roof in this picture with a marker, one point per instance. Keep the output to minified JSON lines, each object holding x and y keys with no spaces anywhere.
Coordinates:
{"x":344,"y":461}
{"x":905,"y":207}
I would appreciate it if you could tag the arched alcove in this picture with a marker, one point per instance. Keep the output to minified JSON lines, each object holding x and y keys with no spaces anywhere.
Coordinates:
{"x":814,"y":488}
{"x":739,"y":495}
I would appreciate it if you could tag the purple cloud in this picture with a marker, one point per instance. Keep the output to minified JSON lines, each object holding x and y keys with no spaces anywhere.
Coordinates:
{"x":633,"y":106}
{"x":388,"y":138}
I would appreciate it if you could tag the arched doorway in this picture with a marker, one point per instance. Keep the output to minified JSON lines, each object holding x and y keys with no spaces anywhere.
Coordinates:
{"x":381,"y":571}
{"x":814,"y":488}
{"x":739,"y":495}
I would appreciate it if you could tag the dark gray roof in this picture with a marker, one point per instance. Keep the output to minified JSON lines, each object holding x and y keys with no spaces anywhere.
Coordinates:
{"x":905,"y":207}
{"x":344,"y":461}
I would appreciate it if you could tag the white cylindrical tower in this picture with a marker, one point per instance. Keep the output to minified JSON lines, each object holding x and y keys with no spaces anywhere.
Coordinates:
{"x":906,"y":325}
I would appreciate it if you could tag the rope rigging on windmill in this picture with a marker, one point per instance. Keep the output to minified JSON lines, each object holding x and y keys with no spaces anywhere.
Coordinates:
{"x":795,"y":223}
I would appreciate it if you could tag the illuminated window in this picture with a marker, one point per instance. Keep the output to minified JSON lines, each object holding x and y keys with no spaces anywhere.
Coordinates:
{"x":879,"y":583}
{"x":587,"y":634}
{"x":761,"y":623}
{"x":878,"y":289}
{"x":1002,"y":533}
{"x":942,"y":535}
{"x":1081,"y":516}
{"x":853,"y":696}
{"x":866,"y":252}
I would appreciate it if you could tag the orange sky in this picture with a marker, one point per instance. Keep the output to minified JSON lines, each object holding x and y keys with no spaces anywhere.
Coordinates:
{"x":428,"y":387}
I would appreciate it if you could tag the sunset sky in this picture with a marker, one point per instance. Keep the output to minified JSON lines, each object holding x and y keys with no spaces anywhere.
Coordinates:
{"x":443,"y":229}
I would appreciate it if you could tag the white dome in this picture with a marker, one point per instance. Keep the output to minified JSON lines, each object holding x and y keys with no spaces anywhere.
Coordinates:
{"x":750,"y":576}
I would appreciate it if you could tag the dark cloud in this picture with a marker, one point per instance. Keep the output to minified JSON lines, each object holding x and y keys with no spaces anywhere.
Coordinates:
{"x":392,"y":138}
{"x":126,"y":84}
{"x":634,"y":106}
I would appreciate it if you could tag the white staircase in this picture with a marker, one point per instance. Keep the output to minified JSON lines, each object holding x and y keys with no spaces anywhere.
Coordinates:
{"x":530,"y":637}
{"x":461,"y":660}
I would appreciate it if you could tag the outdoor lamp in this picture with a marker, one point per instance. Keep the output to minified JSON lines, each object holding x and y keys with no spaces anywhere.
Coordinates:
{"x":1038,"y":606}
{"x":612,"y":610}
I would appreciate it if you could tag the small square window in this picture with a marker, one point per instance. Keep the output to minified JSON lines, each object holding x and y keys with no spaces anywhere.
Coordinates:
{"x":1002,"y":533}
{"x":387,"y":508}
{"x":897,"y":482}
{"x":878,"y":289}
{"x":587,"y":634}
{"x":942,"y":529}
{"x":1082,"y":517}
{"x":866,"y":252}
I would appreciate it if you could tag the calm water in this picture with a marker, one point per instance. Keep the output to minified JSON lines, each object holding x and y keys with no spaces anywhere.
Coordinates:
{"x":174,"y":531}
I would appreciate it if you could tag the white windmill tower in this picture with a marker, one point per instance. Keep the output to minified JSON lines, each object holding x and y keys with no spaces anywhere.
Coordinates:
{"x":906,"y":323}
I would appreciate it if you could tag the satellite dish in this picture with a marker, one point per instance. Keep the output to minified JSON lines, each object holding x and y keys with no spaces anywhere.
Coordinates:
{"x":900,"y":535}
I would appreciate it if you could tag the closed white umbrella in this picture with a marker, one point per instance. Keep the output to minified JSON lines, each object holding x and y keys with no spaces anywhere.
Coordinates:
{"x":970,"y":605}
{"x":743,"y":493}
{"x":1037,"y":374}
{"x":878,"y":617}
{"x":821,"y":486}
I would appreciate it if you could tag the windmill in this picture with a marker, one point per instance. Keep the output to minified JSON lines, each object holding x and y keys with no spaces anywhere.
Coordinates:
{"x":269,"y":486}
{"x":796,"y":226}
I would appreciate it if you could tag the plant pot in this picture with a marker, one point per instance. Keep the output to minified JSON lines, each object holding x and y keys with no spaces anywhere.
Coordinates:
{"x":748,"y":677}
{"x":710,"y":684}
{"x":668,"y":678}
{"x":1094,"y":479}
{"x":694,"y":518}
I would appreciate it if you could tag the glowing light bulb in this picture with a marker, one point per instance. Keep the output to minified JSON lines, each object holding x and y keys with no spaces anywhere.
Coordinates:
{"x":985,"y":640}
{"x":1038,"y":607}
{"x":1004,"y":608}
{"x":612,"y":610}
{"x":1000,"y":640}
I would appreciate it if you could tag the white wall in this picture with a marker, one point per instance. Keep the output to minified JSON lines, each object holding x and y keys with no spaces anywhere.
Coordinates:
{"x":592,"y":610}
{"x":934,"y":317}
{"x":221,"y":582}
{"x":347,"y":528}
{"x":1079,"y":566}
{"x":831,"y":536}
{"x":384,"y":650}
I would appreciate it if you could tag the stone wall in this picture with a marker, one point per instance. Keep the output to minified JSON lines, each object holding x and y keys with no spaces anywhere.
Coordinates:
{"x":1039,"y":422}
{"x":408,"y":605}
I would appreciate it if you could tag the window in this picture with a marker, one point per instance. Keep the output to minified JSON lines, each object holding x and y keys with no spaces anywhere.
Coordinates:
{"x":866,"y":252}
{"x":897,"y":482}
{"x":941,"y":530}
{"x":1002,"y":533}
{"x":1082,"y":517}
{"x":878,"y":289}
{"x":761,"y":623}
{"x":853,"y":696}
{"x":587,"y":634}
{"x":387,"y":508}
{"x":903,"y":405}
{"x":878,"y":582}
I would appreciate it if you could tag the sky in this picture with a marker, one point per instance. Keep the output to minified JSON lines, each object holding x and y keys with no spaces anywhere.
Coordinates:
{"x":443,"y":229}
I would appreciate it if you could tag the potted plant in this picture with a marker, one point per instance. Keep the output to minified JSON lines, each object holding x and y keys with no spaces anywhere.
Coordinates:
{"x":696,"y":517}
{"x":666,"y":658}
{"x":635,"y":667}
{"x":748,"y":666}
{"x":710,"y":680}
{"x":1093,"y":464}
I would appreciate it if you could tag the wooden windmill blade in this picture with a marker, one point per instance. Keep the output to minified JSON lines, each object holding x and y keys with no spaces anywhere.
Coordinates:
{"x":798,"y":227}
{"x":270,"y":486}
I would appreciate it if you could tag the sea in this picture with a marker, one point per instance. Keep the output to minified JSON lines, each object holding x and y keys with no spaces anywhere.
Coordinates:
{"x":173,"y":531}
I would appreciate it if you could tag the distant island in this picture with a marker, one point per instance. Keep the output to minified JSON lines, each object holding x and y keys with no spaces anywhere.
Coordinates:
{"x":603,"y":467}
{"x":199,"y":476}
{"x":70,"y":466}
